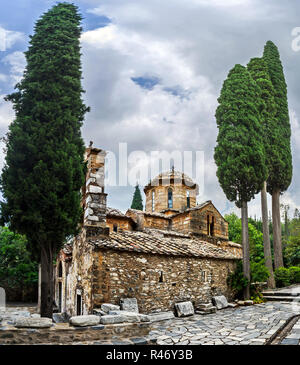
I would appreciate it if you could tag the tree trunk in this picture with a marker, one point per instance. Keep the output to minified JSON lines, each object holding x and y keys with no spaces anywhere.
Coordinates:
{"x":266,"y":236}
{"x":246,"y":249}
{"x":46,"y":281}
{"x":278,"y":259}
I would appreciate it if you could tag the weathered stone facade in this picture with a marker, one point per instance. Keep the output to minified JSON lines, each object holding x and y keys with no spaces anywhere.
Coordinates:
{"x":158,"y":282}
{"x":160,"y":258}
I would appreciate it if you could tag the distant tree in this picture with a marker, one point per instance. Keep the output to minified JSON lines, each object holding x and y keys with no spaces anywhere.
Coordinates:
{"x":280,"y":176}
{"x":292,"y":247}
{"x":137,"y":201}
{"x":239,"y":154}
{"x":267,"y":108}
{"x":44,"y":167}
{"x":17,"y":270}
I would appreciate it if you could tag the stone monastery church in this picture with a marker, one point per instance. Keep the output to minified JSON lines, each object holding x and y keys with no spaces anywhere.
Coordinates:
{"x":173,"y":251}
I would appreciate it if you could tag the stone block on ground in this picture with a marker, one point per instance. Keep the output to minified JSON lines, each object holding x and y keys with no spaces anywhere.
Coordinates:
{"x":241,"y":302}
{"x":99,"y":312}
{"x":27,"y":322}
{"x":204,"y":305}
{"x":35,"y":315}
{"x":161,"y":316}
{"x":83,"y":321}
{"x":184,"y":309}
{"x":106,"y":307}
{"x":207,"y":310}
{"x":131,"y":317}
{"x":249,"y":302}
{"x":220,"y":301}
{"x":232,"y":305}
{"x":129,"y":304}
{"x":112,"y":319}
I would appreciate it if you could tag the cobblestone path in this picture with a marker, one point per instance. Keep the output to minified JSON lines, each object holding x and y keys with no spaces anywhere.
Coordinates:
{"x":293,"y":338}
{"x":233,"y":326}
{"x":252,"y":325}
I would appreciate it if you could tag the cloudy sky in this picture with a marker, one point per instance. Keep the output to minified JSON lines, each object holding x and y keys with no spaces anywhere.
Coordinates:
{"x":153,"y":71}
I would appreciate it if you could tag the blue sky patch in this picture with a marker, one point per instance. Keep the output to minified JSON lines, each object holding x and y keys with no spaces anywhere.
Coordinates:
{"x":146,"y":82}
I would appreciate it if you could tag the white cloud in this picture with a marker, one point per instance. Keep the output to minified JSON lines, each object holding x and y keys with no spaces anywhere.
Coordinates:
{"x":17,"y":63}
{"x":190,"y":49}
{"x":8,"y":38}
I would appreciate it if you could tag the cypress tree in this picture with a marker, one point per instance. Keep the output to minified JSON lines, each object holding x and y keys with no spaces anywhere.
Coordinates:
{"x":280,"y":176}
{"x":137,"y":201}
{"x":267,"y":107}
{"x":239,"y":154}
{"x":44,"y":167}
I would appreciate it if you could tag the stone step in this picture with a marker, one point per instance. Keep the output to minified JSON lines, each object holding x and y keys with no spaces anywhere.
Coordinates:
{"x":281,"y":293}
{"x":281,"y":298}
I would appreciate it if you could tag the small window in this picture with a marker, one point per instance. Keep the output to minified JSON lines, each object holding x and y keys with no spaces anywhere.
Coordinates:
{"x":204,"y":276}
{"x":78,"y":305}
{"x":188,"y":201}
{"x":161,"y":277}
{"x":115,"y":228}
{"x":170,"y":198}
{"x":60,"y":270}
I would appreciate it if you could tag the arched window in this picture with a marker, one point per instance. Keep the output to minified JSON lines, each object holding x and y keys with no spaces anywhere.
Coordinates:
{"x":153,"y":200}
{"x":188,"y":202}
{"x":170,"y":198}
{"x":60,"y":270}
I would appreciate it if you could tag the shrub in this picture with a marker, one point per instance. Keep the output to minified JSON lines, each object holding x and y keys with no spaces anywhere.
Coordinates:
{"x":237,"y":280}
{"x":258,"y":298}
{"x":259,"y":272}
{"x":282,"y":277}
{"x":294,"y":274}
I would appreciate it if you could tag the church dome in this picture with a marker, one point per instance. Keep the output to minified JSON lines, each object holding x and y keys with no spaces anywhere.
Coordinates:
{"x":171,"y":177}
{"x":170,"y":191}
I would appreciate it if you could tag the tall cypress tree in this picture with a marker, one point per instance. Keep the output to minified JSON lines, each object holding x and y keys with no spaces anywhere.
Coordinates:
{"x":137,"y":201}
{"x":44,"y":167}
{"x":267,"y":107}
{"x":280,"y":176}
{"x":239,"y":154}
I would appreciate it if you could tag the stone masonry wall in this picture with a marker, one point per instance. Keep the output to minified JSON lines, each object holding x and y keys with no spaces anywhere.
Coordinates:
{"x":199,"y":222}
{"x":79,"y":277}
{"x":161,"y":197}
{"x":157,"y":281}
{"x":121,"y":223}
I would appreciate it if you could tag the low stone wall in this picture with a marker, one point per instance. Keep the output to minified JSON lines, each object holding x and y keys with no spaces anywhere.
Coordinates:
{"x":65,"y":334}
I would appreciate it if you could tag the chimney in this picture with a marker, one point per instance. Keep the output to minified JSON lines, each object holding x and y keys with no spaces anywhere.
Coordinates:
{"x":93,"y":196}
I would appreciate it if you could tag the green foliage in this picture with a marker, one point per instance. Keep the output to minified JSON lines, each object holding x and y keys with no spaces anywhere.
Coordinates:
{"x":17,"y":270}
{"x":267,"y":107}
{"x":237,"y":281}
{"x":257,"y":298}
{"x":282,"y":277}
{"x":294,"y":272}
{"x":255,"y":236}
{"x":44,"y":168}
{"x":239,"y":154}
{"x":259,"y":272}
{"x":137,"y":201}
{"x":280,"y":175}
{"x":292,"y":247}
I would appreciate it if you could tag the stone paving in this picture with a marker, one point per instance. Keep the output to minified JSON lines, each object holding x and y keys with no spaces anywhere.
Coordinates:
{"x":250,"y":325}
{"x":293,"y":338}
